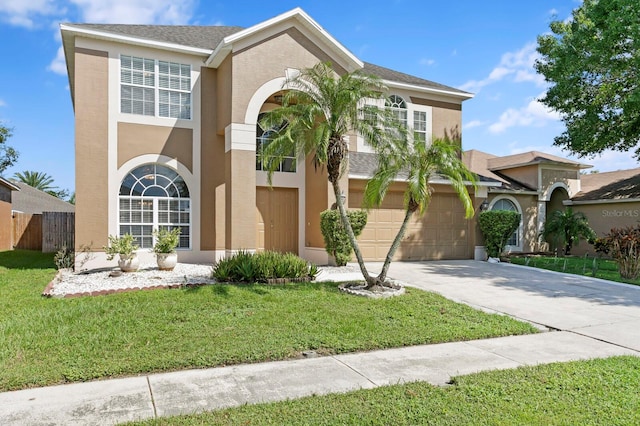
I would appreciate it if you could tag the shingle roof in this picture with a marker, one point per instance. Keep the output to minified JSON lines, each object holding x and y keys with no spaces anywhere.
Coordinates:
{"x":477,"y":162}
{"x":392,"y":75}
{"x":618,"y":185}
{"x":531,"y":157}
{"x":8,"y":184}
{"x":203,"y":37}
{"x":34,"y":201}
{"x":208,"y":37}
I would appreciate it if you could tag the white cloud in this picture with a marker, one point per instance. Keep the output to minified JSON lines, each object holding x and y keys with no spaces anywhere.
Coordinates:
{"x":473,"y":123}
{"x":22,"y":13}
{"x":519,"y":64}
{"x":136,"y":11}
{"x":58,"y":65}
{"x":532,"y":114}
{"x":427,"y":62}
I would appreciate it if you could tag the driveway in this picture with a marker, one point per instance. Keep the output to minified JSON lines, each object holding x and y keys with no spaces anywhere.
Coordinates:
{"x":587,"y":306}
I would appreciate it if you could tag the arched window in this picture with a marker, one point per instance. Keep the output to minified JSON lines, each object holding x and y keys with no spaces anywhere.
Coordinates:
{"x":263,"y":137}
{"x":154,"y":197}
{"x":398,"y":107}
{"x":506,"y":204}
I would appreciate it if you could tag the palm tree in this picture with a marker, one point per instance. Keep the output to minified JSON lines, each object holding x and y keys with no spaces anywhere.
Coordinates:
{"x":318,"y":111}
{"x":418,"y":162}
{"x":38,"y":180}
{"x":567,"y":228}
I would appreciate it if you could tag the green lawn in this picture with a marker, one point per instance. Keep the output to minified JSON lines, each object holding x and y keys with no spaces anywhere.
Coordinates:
{"x":49,"y":341}
{"x":597,"y":392}
{"x":603,"y":268}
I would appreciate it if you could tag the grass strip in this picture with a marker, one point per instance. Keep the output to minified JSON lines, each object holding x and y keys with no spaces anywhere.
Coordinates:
{"x":594,"y":392}
{"x":51,"y":341}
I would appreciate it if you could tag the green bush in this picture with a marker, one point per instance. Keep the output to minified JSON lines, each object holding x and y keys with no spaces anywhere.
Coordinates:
{"x":263,"y":266}
{"x":624,"y":246}
{"x":65,"y":258}
{"x":336,"y":240}
{"x":497,"y":226}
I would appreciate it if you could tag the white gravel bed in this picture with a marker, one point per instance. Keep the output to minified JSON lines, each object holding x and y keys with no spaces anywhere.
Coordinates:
{"x":68,"y":282}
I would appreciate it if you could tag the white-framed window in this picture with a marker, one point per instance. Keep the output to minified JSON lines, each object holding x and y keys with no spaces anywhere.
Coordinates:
{"x":420,"y":125}
{"x":152,"y":197}
{"x":510,"y":205}
{"x":398,"y":107}
{"x":263,"y":136}
{"x":155,"y":88}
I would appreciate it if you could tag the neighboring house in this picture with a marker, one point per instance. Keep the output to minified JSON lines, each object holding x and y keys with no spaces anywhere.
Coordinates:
{"x":34,"y":201}
{"x":166,"y":135}
{"x":533,"y":184}
{"x":6,"y":224}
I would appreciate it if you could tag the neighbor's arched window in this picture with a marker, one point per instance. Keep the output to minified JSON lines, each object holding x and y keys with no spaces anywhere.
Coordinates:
{"x":506,"y":204}
{"x":154,"y":196}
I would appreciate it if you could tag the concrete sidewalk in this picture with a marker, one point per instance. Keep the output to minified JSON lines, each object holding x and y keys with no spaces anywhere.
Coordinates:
{"x":596,"y":319}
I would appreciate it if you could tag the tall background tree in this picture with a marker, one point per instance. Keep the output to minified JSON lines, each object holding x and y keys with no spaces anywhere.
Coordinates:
{"x":8,"y":155}
{"x":41,"y":181}
{"x":593,"y":64}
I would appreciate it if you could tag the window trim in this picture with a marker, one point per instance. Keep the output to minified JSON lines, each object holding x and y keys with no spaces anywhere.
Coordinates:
{"x":156,"y":87}
{"x":155,"y":201}
{"x":520,"y":230}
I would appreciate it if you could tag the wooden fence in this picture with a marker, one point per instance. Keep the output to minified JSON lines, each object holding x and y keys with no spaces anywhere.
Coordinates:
{"x":58,"y":231}
{"x":47,"y":232}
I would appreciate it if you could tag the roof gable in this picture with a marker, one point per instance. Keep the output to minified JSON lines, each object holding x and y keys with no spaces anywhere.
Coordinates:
{"x":293,"y":18}
{"x":34,"y":201}
{"x":530,"y":158}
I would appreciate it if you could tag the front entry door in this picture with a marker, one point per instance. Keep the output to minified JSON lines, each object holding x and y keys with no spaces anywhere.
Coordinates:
{"x":277,"y":217}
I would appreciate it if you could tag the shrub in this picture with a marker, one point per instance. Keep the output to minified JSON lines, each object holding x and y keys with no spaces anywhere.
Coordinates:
{"x":166,"y":240}
{"x":497,"y":226}
{"x":624,"y":246}
{"x":261,"y":267}
{"x":65,"y":258}
{"x":336,"y":240}
{"x":120,"y":245}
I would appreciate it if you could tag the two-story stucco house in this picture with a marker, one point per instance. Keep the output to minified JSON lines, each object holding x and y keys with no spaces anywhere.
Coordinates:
{"x":166,"y":135}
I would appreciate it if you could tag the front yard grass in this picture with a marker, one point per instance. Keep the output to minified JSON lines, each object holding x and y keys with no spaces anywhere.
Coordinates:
{"x":579,"y":265}
{"x":594,"y":392}
{"x":51,"y":341}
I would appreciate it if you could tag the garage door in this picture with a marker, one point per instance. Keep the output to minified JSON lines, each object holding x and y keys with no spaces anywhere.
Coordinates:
{"x":277,"y":217}
{"x":442,"y":233}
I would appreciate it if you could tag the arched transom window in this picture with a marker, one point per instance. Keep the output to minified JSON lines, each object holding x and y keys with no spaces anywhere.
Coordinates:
{"x":398,"y":107}
{"x":506,"y":204}
{"x":154,"y":197}
{"x":263,"y":138}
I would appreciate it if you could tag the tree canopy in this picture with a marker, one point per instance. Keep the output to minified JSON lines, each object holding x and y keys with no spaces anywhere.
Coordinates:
{"x":8,"y":155}
{"x":593,"y":64}
{"x":41,"y":181}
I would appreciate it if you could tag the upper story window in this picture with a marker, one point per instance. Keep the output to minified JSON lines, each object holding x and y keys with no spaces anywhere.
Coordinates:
{"x":263,"y":136}
{"x":155,"y":88}
{"x":398,"y":107}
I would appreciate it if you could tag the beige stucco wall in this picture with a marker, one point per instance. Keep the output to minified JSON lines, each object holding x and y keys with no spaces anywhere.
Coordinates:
{"x":212,"y":164}
{"x":240,"y":200}
{"x":527,"y":175}
{"x":91,"y":128}
{"x":604,"y":216}
{"x":139,"y":139}
{"x":569,"y":178}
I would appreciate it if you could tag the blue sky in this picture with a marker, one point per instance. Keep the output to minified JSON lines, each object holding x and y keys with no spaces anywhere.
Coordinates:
{"x":487,"y":48}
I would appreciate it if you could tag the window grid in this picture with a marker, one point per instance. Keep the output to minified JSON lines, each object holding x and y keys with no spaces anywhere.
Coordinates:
{"x":153,"y":197}
{"x":420,"y":125}
{"x":149,"y":87}
{"x":288,"y":163}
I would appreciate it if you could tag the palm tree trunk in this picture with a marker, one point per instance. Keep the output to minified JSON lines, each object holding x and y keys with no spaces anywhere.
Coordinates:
{"x":352,"y":238}
{"x":396,"y":243}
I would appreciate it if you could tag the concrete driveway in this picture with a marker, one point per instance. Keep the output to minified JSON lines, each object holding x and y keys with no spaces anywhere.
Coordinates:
{"x":587,"y":306}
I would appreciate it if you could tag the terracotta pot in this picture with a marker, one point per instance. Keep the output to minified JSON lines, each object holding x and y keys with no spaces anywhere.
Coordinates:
{"x":129,"y":263}
{"x":167,"y":261}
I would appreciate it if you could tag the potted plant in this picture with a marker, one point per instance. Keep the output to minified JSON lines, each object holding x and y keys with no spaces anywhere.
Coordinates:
{"x":165,"y":248}
{"x":125,"y":247}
